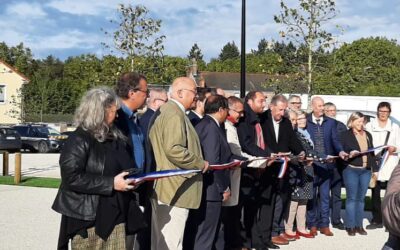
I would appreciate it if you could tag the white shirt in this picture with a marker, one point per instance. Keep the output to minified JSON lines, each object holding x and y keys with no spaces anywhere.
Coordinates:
{"x":314,"y":119}
{"x":276,"y":128}
{"x":200,"y":116}
{"x":378,"y":139}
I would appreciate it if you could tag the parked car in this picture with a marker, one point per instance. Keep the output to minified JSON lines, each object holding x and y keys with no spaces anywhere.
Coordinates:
{"x":9,"y":140}
{"x":40,"y":138}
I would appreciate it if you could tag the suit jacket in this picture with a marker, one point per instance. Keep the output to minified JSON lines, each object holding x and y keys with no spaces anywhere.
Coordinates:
{"x":176,"y":146}
{"x":287,"y":142}
{"x":144,"y":120}
{"x":216,"y":151}
{"x":194,"y":118}
{"x":331,"y":140}
{"x":247,"y":133}
{"x":121,"y":122}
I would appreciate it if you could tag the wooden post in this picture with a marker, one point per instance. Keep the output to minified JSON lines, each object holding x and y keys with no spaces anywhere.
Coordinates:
{"x":17,"y":173}
{"x":5,"y":163}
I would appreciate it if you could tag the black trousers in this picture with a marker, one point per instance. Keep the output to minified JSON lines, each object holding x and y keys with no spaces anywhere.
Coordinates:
{"x":282,"y":202}
{"x":263,"y":219}
{"x":231,"y":227}
{"x":376,"y":203}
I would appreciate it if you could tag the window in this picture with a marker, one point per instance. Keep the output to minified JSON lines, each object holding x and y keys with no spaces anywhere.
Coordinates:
{"x":2,"y":93}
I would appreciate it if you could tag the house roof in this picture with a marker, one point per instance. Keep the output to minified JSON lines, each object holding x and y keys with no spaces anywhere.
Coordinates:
{"x":15,"y":70}
{"x":231,"y":81}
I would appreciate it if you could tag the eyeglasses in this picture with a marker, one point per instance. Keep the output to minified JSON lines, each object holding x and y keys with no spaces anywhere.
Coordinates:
{"x":147,"y":91}
{"x":159,"y":99}
{"x":194,"y":92}
{"x":239,"y":112}
{"x":295,"y":102}
{"x":383,"y":111}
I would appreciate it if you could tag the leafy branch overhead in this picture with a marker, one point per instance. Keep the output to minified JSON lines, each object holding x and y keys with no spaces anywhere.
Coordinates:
{"x":136,"y":33}
{"x":304,"y":26}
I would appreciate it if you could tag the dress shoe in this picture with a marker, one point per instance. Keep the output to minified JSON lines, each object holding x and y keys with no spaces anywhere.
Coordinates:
{"x":360,"y":231}
{"x":374,"y":225}
{"x":326,"y":231}
{"x":314,"y":231}
{"x":289,"y":237}
{"x":339,"y":226}
{"x":278,"y":240}
{"x":351,"y":231}
{"x":271,"y":245}
{"x":305,"y":235}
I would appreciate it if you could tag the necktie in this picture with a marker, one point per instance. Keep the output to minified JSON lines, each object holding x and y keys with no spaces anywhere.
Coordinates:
{"x":260,"y":137}
{"x":318,"y":120}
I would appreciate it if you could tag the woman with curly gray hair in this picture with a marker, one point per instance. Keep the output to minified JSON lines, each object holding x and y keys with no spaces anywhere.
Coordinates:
{"x":97,"y":209}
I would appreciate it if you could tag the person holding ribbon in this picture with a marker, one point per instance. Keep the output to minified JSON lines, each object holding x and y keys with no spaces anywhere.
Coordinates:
{"x":301,"y":180}
{"x":357,"y":143}
{"x":279,"y":137}
{"x":384,"y":132}
{"x":176,"y":145}
{"x":97,"y":209}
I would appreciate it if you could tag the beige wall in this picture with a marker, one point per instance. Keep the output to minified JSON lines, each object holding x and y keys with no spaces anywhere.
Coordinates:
{"x":11,"y":82}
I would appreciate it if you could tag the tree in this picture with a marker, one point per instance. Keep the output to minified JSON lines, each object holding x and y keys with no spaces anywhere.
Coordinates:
{"x":304,"y":26}
{"x":195,"y":52}
{"x":229,"y":51}
{"x":136,"y":34}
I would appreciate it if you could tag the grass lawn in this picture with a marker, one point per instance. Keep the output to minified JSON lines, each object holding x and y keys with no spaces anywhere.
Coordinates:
{"x":32,"y":181}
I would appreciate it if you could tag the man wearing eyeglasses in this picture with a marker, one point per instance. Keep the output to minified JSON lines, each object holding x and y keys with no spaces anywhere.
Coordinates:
{"x":176,"y":145}
{"x":132,"y":90}
{"x":294,"y":102}
{"x":157,"y":97}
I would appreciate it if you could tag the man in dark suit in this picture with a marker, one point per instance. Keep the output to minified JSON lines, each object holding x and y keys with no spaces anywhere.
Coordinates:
{"x":216,"y":150}
{"x":279,"y":137}
{"x":323,"y":132}
{"x":197,"y":113}
{"x":337,"y":176}
{"x":133,"y":91}
{"x":252,"y":142}
{"x":157,"y":97}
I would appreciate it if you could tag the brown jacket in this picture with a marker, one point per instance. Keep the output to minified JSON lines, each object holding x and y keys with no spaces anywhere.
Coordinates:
{"x":176,"y":146}
{"x":391,"y":203}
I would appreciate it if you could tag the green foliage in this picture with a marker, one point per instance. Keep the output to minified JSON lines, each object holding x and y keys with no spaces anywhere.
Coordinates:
{"x":195,"y":52}
{"x":19,"y":57}
{"x":304,"y":26}
{"x":368,"y":66}
{"x":136,"y":34}
{"x":229,"y":51}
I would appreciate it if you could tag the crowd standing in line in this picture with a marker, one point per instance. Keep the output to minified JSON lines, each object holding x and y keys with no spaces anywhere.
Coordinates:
{"x":253,"y":205}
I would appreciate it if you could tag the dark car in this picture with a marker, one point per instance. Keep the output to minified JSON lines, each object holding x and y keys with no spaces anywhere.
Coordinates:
{"x":9,"y":140}
{"x":40,"y":138}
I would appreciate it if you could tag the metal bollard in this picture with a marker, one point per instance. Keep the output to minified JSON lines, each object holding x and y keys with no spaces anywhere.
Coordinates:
{"x":17,"y":173}
{"x":5,"y":163}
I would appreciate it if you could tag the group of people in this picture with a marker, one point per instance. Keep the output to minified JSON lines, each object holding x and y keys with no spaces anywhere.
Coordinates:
{"x":253,"y":205}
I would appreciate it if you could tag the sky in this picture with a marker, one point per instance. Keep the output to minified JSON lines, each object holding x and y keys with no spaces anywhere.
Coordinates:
{"x":64,"y":28}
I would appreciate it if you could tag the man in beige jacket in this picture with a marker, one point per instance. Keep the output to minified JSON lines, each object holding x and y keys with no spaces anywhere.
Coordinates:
{"x":176,"y":146}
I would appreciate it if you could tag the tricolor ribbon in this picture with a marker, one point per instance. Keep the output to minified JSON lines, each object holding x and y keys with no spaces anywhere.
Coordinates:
{"x":284,"y":166}
{"x":162,"y":174}
{"x":384,"y":159}
{"x":228,"y":165}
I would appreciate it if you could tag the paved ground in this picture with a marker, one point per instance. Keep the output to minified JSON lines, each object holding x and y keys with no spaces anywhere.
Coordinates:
{"x":27,"y":221}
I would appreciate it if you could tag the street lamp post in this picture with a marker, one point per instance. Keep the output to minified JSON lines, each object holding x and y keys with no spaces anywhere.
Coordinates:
{"x":243,"y":53}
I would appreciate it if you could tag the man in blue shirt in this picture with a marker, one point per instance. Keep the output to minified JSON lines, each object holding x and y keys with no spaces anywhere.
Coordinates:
{"x":132,"y":90}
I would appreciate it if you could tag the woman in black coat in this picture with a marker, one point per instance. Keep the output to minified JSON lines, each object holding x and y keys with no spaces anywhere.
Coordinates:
{"x":357,"y":174}
{"x":97,"y":211}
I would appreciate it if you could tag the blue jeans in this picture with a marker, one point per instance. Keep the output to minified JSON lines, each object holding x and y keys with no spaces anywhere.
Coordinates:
{"x":356,"y":182}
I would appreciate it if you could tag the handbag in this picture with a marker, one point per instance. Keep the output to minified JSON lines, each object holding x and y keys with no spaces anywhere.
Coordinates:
{"x":374,"y":178}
